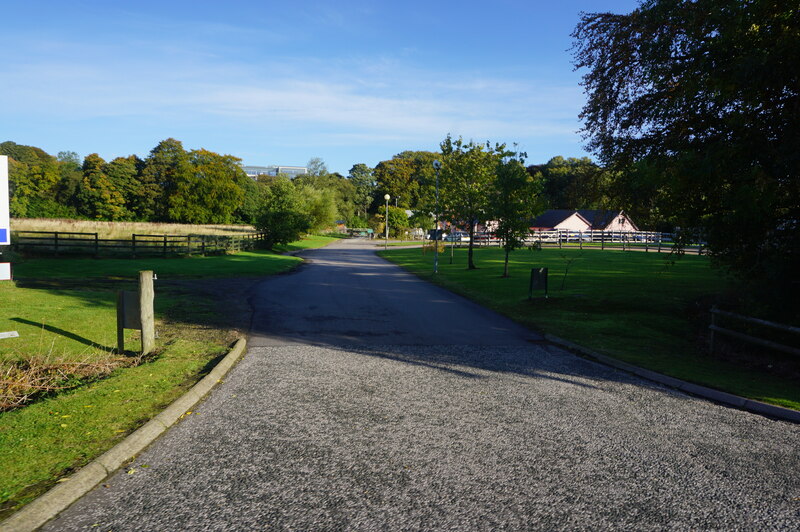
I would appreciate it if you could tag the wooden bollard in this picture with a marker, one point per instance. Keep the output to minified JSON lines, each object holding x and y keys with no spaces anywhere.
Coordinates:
{"x":135,"y":311}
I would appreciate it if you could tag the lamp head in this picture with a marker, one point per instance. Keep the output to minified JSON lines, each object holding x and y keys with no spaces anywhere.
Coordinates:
{"x":437,"y":164}
{"x":386,"y":197}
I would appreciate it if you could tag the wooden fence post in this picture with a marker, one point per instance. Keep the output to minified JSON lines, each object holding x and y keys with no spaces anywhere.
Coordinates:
{"x":146,"y":297}
{"x":133,"y":246}
{"x":96,"y":245}
{"x":55,"y":242}
{"x":121,"y":322}
{"x":165,"y":246}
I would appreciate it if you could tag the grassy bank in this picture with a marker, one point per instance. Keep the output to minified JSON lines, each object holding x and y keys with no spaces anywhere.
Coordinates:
{"x":65,"y":313}
{"x":639,"y":307}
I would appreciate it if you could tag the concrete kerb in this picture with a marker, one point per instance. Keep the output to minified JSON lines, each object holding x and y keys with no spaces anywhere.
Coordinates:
{"x":49,"y":505}
{"x":711,"y":394}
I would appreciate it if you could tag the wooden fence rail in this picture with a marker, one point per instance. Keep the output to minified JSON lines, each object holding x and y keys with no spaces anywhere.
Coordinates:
{"x":716,"y":328}
{"x":57,"y":243}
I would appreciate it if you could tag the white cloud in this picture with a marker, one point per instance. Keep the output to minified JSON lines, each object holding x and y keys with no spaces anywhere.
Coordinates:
{"x":288,"y":101}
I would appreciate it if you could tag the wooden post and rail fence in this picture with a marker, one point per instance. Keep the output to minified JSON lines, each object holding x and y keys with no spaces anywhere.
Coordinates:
{"x":715,"y":328}
{"x":60,"y":242}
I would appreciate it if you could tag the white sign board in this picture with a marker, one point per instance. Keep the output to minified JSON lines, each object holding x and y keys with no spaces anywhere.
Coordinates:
{"x":5,"y":271}
{"x":5,"y":219}
{"x":10,"y":334}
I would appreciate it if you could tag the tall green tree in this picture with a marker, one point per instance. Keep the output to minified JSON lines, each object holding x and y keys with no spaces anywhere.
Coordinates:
{"x":33,"y":179}
{"x":165,"y":169}
{"x":515,"y":199}
{"x":409,"y":178}
{"x":124,"y":173}
{"x":282,"y":218}
{"x":210,"y":192}
{"x":707,"y":93}
{"x":96,"y":196}
{"x":319,"y":205}
{"x":572,"y":183}
{"x":396,"y":178}
{"x":365,"y":186}
{"x":467,"y":175}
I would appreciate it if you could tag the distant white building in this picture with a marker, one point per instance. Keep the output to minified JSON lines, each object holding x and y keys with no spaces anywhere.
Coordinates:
{"x":292,"y":171}
{"x":583,"y":220}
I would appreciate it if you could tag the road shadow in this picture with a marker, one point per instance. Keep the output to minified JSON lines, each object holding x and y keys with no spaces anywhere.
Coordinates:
{"x":350,"y":300}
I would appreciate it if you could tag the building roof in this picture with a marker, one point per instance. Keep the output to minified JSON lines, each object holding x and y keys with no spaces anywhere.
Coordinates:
{"x":552,"y":217}
{"x":597,"y":219}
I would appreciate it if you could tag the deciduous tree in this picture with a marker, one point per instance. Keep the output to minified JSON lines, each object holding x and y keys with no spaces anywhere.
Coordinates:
{"x":515,"y":199}
{"x":707,"y":92}
{"x":467,"y":175}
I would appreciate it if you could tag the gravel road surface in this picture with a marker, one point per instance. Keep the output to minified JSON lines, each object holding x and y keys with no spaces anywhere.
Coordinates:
{"x":369,"y":400}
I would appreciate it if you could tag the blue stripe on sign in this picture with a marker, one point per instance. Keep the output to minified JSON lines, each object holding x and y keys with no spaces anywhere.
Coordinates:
{"x":3,"y":235}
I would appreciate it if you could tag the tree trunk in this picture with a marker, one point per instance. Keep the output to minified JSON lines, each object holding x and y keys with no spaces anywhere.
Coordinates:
{"x":470,"y":262}
{"x":505,"y":266}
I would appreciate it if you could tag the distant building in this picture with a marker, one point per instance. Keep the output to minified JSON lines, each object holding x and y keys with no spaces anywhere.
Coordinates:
{"x":292,"y":171}
{"x":583,"y":220}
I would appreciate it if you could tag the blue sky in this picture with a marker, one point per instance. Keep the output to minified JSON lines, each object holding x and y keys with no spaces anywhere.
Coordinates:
{"x":281,"y":82}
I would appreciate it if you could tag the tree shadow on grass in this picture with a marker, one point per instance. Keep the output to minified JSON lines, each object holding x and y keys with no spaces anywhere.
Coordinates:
{"x":70,"y":335}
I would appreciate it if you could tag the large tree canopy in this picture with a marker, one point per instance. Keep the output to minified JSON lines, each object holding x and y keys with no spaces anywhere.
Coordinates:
{"x":706,"y":94}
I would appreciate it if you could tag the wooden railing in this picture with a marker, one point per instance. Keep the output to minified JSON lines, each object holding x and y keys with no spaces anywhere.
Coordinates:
{"x":715,"y":328}
{"x":57,"y":243}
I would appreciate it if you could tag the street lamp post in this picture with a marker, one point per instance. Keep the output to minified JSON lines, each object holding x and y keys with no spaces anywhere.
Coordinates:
{"x":386,"y":241}
{"x":436,"y":165}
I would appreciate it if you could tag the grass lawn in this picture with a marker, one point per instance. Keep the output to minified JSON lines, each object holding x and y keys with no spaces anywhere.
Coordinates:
{"x":639,"y":307}
{"x":65,"y":313}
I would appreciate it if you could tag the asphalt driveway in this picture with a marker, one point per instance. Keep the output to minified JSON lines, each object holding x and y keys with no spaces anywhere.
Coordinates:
{"x":370,"y":400}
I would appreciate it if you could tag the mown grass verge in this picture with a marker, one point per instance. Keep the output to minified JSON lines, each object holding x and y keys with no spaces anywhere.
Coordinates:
{"x":643,"y":308}
{"x":65,"y":313}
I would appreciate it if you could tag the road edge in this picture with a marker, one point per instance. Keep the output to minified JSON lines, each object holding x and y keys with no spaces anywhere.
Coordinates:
{"x":47,"y":506}
{"x":728,"y":399}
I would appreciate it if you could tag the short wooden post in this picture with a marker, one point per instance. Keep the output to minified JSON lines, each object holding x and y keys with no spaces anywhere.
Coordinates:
{"x":203,"y":245}
{"x":602,"y":240}
{"x":188,"y":244}
{"x":135,"y":311}
{"x":133,"y":246}
{"x":96,"y":245}
{"x":165,"y":246}
{"x":120,"y":322}
{"x":146,"y":297}
{"x":55,"y":242}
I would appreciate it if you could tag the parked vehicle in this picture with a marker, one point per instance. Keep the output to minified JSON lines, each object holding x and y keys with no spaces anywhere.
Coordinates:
{"x":458,"y":236}
{"x":432,"y":234}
